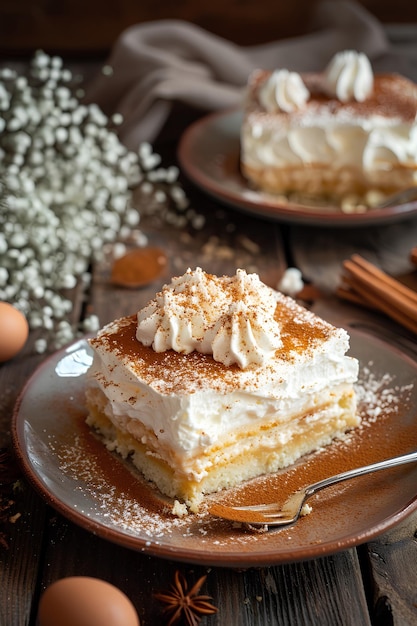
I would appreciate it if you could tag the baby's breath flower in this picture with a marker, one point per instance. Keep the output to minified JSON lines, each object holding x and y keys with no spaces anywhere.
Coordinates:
{"x":66,"y":186}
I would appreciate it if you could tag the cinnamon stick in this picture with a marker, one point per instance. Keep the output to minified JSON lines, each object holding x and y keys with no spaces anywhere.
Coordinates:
{"x":368,"y":285}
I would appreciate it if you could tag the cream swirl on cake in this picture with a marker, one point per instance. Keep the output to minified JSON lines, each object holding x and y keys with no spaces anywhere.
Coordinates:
{"x":283,"y":91}
{"x":231,"y":318}
{"x":349,"y":76}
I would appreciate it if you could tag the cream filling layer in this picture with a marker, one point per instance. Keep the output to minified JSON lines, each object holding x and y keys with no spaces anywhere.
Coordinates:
{"x":370,"y":144}
{"x":191,"y":433}
{"x":264,"y":449}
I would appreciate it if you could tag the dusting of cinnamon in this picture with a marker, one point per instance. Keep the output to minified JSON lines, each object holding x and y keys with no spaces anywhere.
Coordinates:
{"x":392,"y":96}
{"x":173,"y":372}
{"x":138,"y":267}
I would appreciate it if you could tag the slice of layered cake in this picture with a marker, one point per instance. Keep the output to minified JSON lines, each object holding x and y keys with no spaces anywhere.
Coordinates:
{"x":219,"y":380}
{"x":343,"y":131}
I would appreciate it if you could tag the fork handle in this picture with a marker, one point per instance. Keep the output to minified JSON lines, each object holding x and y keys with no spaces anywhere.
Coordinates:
{"x":361,"y":471}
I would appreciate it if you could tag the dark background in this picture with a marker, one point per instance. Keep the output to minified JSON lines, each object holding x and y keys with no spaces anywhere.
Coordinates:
{"x":81,"y":27}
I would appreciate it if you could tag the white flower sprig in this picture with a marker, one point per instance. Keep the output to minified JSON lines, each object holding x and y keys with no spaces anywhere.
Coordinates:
{"x":65,"y":190}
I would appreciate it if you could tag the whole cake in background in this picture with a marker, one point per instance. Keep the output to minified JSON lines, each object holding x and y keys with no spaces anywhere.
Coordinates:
{"x":342,"y":131}
{"x":219,"y":379}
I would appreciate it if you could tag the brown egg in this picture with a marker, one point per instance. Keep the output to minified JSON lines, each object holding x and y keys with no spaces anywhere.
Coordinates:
{"x":85,"y":601}
{"x":14,"y":331}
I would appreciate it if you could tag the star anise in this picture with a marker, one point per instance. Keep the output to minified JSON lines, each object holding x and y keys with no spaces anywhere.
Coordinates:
{"x":183,"y":604}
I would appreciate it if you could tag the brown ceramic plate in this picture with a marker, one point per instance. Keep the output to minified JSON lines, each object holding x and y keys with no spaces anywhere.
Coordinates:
{"x":209,"y":155}
{"x":92,"y":487}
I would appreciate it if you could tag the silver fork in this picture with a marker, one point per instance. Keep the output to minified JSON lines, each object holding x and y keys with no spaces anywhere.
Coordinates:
{"x":276,"y":515}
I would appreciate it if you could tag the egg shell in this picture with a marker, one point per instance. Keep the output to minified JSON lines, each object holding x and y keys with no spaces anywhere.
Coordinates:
{"x":14,"y":331}
{"x":85,"y":601}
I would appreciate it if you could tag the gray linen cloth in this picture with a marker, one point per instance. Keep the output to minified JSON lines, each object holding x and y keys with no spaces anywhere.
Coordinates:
{"x":155,"y":64}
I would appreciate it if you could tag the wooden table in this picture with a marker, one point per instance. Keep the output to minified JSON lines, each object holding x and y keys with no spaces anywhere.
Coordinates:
{"x":373,"y":584}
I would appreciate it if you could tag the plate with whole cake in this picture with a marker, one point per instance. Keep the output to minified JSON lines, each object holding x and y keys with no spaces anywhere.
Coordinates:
{"x":220,"y":390}
{"x":323,"y":148}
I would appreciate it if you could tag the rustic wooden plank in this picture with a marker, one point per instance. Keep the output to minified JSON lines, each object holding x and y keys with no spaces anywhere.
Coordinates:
{"x":19,"y":562}
{"x":392,"y":562}
{"x":72,"y":551}
{"x":323,"y":592}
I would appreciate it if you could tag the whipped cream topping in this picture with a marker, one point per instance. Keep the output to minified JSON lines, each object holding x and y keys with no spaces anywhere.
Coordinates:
{"x":283,"y":91}
{"x":349,"y":76}
{"x":291,"y":282}
{"x":231,"y":318}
